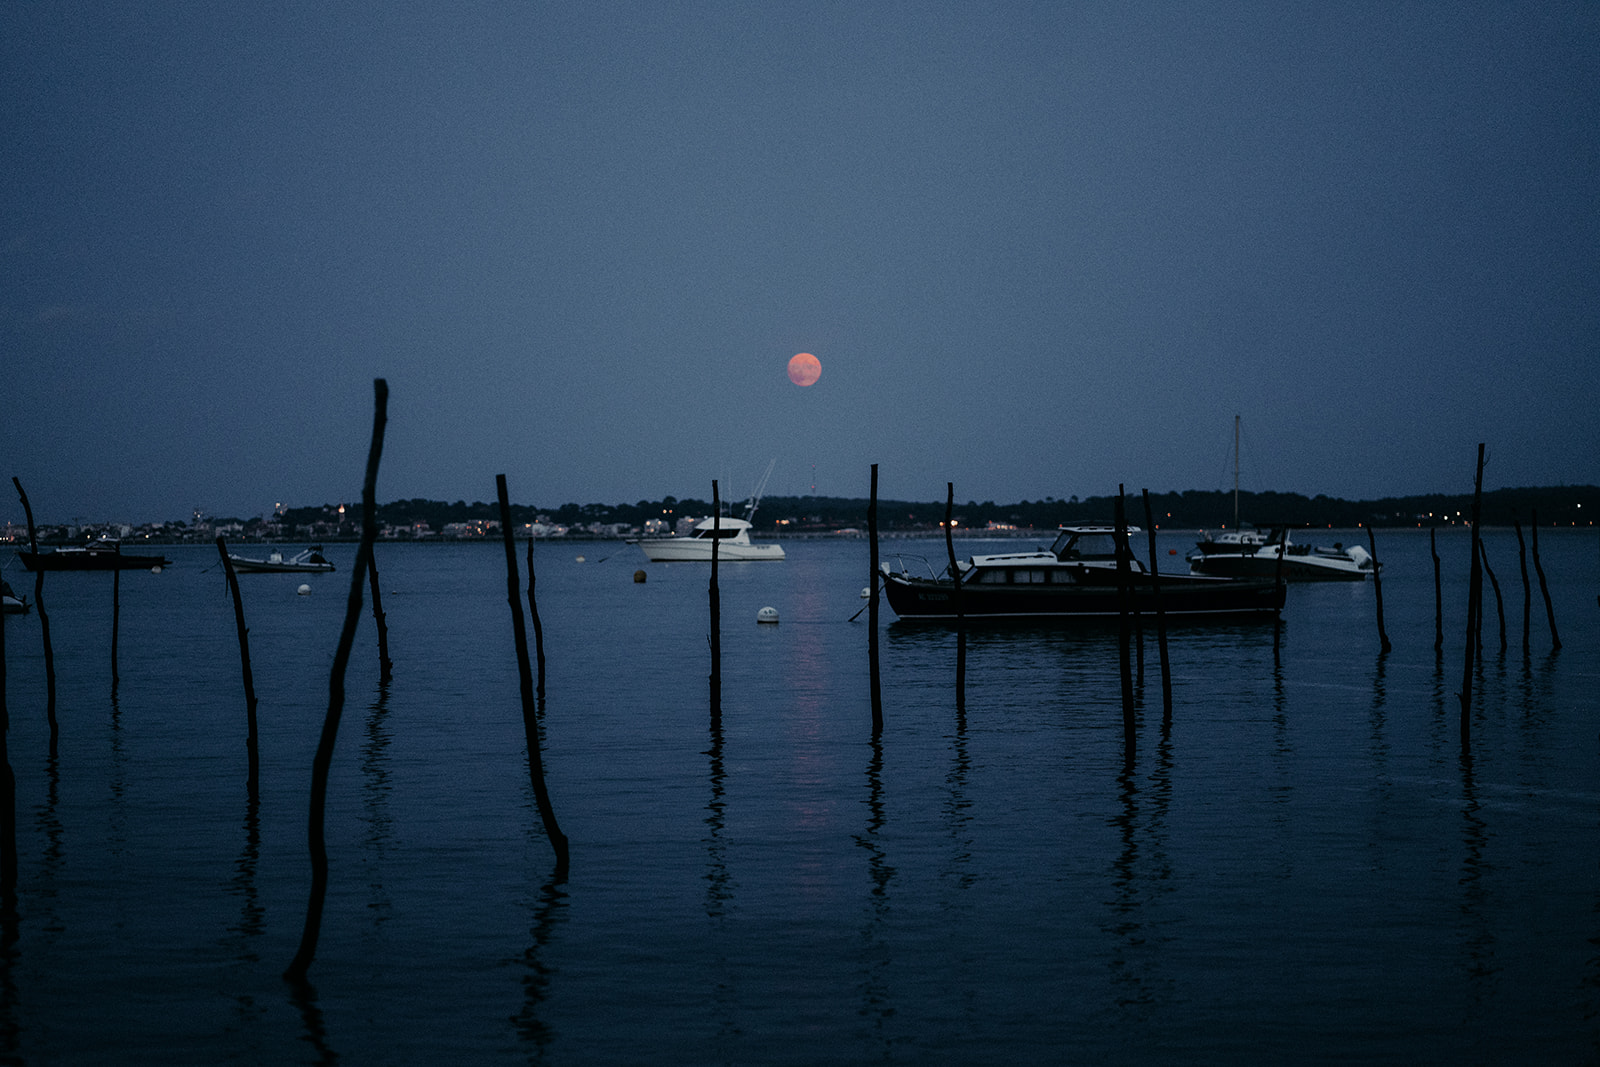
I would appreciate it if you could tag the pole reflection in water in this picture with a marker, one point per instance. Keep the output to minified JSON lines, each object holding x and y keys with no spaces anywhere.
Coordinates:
{"x":314,"y":1029}
{"x":877,"y":1002}
{"x":1479,"y":946}
{"x":375,"y":797}
{"x":548,"y":914}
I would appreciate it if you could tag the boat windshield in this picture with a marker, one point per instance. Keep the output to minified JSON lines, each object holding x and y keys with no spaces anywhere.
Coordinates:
{"x":719,"y":533}
{"x":1079,"y":544}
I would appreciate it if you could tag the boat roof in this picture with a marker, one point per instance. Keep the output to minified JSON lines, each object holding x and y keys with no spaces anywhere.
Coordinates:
{"x":1095,"y":528}
{"x":726,"y":523}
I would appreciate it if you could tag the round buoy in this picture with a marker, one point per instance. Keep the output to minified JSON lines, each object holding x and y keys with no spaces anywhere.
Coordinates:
{"x":155,"y":570}
{"x":638,"y":576}
{"x":580,"y":559}
{"x":767,"y":615}
{"x":866,"y":591}
{"x":304,"y":590}
{"x":1172,"y":552}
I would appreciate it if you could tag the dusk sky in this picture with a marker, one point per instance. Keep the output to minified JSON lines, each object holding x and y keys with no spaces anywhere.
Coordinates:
{"x":1039,"y":249}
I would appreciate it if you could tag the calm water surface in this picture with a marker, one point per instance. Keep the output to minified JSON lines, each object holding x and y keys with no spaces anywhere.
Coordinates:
{"x":1302,"y":863}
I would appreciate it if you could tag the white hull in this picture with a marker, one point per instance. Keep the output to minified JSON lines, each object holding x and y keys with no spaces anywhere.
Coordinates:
{"x":695,"y":549}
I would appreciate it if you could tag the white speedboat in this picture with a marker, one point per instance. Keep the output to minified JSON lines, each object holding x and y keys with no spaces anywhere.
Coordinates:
{"x":1300,"y":563}
{"x":731,"y":536}
{"x":310,"y":561}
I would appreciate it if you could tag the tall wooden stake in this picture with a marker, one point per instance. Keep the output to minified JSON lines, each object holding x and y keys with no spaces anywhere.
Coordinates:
{"x":385,"y":664}
{"x":955,"y":594}
{"x":1474,"y":595}
{"x":872,"y":609}
{"x":1499,"y":605}
{"x":252,"y":751}
{"x":1125,"y":627}
{"x":1544,"y":588}
{"x":530,"y":717}
{"x":1377,"y":593}
{"x":1438,"y":593}
{"x":8,"y":785}
{"x":44,"y":620}
{"x":715,"y":596}
{"x":320,"y":764}
{"x":1527,"y":589}
{"x":1161,"y":614}
{"x":116,"y":616}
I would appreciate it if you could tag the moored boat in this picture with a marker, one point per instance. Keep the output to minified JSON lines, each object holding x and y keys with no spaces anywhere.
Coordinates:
{"x":13,"y":604}
{"x":731,"y":536}
{"x":311,"y":561}
{"x":1299,"y":563}
{"x":103,"y":555}
{"x":1076,"y":578}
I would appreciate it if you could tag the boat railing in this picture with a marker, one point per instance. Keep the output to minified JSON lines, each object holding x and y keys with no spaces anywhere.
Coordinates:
{"x":927,"y":564}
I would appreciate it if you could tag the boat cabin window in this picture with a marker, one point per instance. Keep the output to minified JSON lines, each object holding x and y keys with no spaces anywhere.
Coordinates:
{"x":1070,"y":545}
{"x":722,"y":532}
{"x":1015,"y":576}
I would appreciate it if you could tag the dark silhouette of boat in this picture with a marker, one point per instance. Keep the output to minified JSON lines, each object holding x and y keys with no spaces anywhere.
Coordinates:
{"x":1076,"y":578}
{"x":103,"y":555}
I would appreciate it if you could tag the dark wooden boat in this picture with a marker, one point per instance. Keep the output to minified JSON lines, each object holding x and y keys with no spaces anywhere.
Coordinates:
{"x":102,"y":555}
{"x":1076,"y":578}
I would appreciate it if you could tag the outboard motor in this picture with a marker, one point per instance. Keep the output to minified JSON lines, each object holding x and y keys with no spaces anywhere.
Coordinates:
{"x":1362,"y":557}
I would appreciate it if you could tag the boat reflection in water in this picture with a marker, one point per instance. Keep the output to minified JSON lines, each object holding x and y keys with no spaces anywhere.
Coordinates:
{"x":1075,"y":578}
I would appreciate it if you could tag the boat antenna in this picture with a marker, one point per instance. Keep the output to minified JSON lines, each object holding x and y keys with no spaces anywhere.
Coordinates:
{"x":755,"y":498}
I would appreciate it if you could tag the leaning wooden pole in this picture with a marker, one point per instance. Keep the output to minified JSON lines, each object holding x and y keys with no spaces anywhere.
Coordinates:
{"x":44,"y":618}
{"x":714,"y":595}
{"x":1377,"y":592}
{"x":1499,"y":605}
{"x":955,"y":593}
{"x":1438,"y":593}
{"x":1544,"y":587}
{"x":874,"y":680}
{"x":1527,"y":590}
{"x":316,"y":843}
{"x":530,"y":716}
{"x":116,"y":616}
{"x":1161,"y":613}
{"x":252,"y":750}
{"x":1474,"y":595}
{"x":385,"y":664}
{"x":1125,"y":625}
{"x":8,"y":783}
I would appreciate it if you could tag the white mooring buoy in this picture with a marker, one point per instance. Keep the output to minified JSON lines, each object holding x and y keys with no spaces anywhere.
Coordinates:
{"x":767,"y":615}
{"x":866,"y":592}
{"x":304,"y":590}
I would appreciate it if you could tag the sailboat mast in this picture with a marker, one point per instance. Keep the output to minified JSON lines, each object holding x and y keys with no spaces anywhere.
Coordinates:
{"x":1236,"y":472}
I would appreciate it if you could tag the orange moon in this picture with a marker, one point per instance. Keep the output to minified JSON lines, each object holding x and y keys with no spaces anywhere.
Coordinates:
{"x":805,"y":369}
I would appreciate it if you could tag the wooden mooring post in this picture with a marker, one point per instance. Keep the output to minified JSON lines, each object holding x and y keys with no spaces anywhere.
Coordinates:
{"x":252,"y":750}
{"x":1161,"y":614}
{"x":44,"y":619}
{"x":116,"y":615}
{"x":955,"y":594}
{"x":1438,"y":594}
{"x":1544,"y":587}
{"x":323,"y":760}
{"x":874,"y":680}
{"x":8,"y":785}
{"x":385,"y":664}
{"x":530,"y":717}
{"x":1527,"y":589}
{"x":538,"y":628}
{"x":1125,"y":626}
{"x":1499,"y":605}
{"x":1377,"y":592}
{"x":1474,"y":597}
{"x":715,"y":596}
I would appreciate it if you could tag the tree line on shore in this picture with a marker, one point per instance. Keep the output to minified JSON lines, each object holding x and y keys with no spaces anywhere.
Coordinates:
{"x":1198,"y":509}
